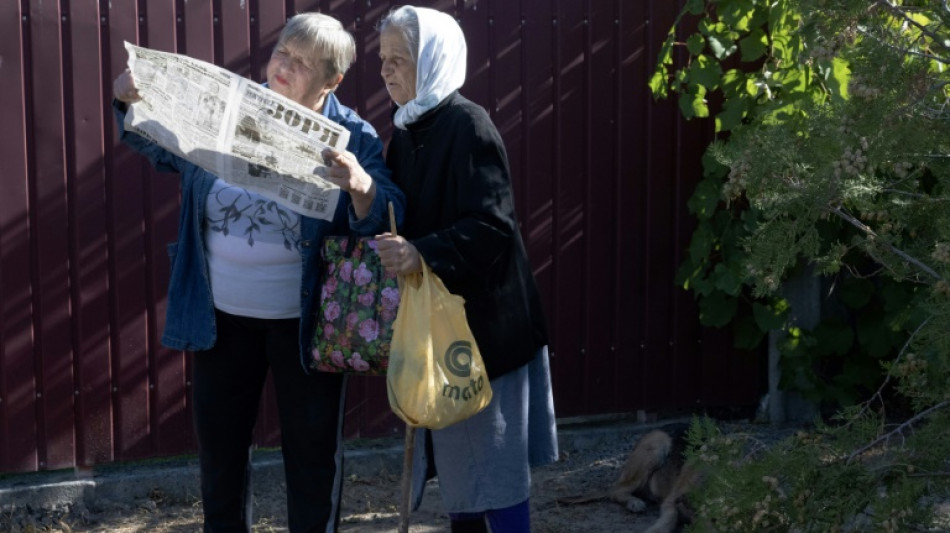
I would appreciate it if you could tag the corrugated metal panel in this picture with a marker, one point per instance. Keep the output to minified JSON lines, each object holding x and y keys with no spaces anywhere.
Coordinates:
{"x":601,"y":176}
{"x":88,"y":229}
{"x":18,"y":386}
{"x":49,"y":244}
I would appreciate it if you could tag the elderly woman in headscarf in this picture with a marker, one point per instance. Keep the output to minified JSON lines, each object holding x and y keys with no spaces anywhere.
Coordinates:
{"x":450,"y":160}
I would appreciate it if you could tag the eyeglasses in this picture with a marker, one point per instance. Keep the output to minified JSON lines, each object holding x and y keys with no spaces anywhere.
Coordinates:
{"x":296,"y":63}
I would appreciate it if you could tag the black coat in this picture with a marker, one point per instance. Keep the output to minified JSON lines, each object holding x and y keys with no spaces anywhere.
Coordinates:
{"x":452,"y":165}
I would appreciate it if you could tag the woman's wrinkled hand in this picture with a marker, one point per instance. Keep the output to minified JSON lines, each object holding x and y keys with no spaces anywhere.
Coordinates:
{"x":124,"y":89}
{"x":397,"y":254}
{"x":345,"y":171}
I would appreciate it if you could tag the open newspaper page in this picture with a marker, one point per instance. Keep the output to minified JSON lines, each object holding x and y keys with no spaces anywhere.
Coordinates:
{"x":236,"y":129}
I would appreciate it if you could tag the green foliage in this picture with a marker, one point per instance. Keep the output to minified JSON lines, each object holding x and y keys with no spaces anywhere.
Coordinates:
{"x":815,"y":481}
{"x":832,"y":156}
{"x":839,"y":360}
{"x":833,"y":152}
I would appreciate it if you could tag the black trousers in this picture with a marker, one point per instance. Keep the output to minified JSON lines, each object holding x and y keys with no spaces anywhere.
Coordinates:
{"x":228,"y":380}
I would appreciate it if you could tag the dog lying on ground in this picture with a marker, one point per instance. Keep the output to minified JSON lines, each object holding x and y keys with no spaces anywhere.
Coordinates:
{"x":654,"y":472}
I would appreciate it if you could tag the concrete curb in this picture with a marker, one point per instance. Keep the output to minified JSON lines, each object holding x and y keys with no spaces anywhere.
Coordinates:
{"x":177,"y":479}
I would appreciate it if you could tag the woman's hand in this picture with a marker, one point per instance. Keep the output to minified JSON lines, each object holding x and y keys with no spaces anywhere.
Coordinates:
{"x":124,"y":89}
{"x":347,"y":173}
{"x":397,"y":254}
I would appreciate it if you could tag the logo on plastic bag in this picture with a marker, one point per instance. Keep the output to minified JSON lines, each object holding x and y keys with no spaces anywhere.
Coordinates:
{"x":458,"y":361}
{"x":458,"y":358}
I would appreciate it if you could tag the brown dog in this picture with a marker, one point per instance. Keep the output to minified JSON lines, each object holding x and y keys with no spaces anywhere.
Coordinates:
{"x":654,"y":471}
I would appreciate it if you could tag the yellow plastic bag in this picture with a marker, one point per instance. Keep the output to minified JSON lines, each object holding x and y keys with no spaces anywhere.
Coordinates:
{"x":436,"y":375}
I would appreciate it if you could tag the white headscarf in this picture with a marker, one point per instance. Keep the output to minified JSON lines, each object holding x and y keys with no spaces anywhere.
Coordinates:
{"x":440,"y":64}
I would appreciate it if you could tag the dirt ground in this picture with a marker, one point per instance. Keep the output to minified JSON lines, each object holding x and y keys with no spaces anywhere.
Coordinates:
{"x":590,"y":459}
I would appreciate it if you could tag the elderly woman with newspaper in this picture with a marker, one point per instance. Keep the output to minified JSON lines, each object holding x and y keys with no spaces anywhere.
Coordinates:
{"x":242,"y":288}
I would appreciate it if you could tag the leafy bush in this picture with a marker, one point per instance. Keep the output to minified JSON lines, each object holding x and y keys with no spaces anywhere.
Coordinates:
{"x":821,"y":481}
{"x":832,"y":156}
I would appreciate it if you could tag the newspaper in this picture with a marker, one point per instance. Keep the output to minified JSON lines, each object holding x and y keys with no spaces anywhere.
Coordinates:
{"x":236,"y":129}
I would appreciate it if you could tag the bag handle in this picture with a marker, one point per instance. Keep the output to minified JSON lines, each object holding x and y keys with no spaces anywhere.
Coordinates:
{"x":351,"y":241}
{"x":353,"y":238}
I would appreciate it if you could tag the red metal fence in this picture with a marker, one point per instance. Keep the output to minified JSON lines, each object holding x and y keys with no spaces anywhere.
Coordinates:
{"x":602,"y":176}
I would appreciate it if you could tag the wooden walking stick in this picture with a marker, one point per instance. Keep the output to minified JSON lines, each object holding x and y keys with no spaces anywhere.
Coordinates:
{"x":405,"y":483}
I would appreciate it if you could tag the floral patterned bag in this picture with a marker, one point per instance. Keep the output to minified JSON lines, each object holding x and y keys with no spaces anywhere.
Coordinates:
{"x":356,"y":311}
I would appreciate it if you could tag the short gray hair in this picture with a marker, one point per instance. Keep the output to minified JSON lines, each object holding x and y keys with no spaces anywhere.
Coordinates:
{"x":325,"y":38}
{"x":404,"y":19}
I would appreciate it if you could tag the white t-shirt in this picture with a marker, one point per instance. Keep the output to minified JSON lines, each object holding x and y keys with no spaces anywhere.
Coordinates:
{"x":253,"y":253}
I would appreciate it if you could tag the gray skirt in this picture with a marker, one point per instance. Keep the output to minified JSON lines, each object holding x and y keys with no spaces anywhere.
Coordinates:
{"x":484,"y":462}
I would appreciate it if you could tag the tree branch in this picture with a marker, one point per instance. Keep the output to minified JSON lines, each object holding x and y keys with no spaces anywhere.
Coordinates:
{"x":919,"y":416}
{"x":905,"y":51}
{"x":887,"y":379}
{"x":916,"y":196}
{"x":898,"y":12}
{"x":896,"y":251}
{"x":930,"y":474}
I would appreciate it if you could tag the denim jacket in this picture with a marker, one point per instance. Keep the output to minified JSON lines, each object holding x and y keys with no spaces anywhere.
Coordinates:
{"x":189,"y":319}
